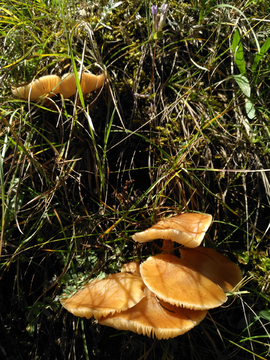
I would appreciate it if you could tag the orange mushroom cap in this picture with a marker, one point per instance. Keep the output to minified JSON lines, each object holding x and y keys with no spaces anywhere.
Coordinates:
{"x":187,"y":229}
{"x":153,"y":317}
{"x":173,"y":280}
{"x":46,"y":85}
{"x":98,"y":298}
{"x":214,"y":266}
{"x":89,"y":83}
{"x":68,"y":85}
{"x":51,"y":85}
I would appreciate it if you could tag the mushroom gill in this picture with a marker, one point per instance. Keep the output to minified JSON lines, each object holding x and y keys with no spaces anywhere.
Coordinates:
{"x":155,"y":318}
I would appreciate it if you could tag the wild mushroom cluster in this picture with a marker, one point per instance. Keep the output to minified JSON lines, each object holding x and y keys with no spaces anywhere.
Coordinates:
{"x":165,"y":296}
{"x":51,"y":85}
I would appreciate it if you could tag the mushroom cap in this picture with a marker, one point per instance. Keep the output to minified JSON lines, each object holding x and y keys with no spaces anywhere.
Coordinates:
{"x":89,"y":83}
{"x":51,"y":85}
{"x":153,"y":317}
{"x":98,"y":298}
{"x":42,"y":86}
{"x":187,"y":229}
{"x":68,"y":85}
{"x":175,"y":281}
{"x":214,"y":266}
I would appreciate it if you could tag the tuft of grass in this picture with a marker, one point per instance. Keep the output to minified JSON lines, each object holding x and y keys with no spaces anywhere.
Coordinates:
{"x":182,"y":124}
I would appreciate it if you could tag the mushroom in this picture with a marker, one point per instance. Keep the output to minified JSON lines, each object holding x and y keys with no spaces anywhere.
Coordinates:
{"x":187,"y":229}
{"x":154,"y":317}
{"x":46,"y":85}
{"x":98,"y":298}
{"x":68,"y":85}
{"x":214,"y":266}
{"x":51,"y":85}
{"x":175,"y":281}
{"x":89,"y":83}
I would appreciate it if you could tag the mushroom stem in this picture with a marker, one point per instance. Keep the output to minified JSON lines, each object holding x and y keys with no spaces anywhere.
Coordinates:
{"x":168,"y":247}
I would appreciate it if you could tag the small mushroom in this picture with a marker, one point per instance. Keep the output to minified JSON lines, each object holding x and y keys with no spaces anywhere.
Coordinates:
{"x":154,"y":317}
{"x":51,"y":85}
{"x":68,"y":85}
{"x":187,"y":229}
{"x":98,"y":298}
{"x":175,"y":281}
{"x":46,"y":85}
{"x":214,"y":266}
{"x":89,"y":83}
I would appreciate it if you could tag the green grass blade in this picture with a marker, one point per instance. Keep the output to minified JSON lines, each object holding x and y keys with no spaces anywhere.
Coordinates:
{"x":260,"y":54}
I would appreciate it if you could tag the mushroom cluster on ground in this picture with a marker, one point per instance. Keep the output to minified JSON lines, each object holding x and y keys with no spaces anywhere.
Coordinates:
{"x":165,"y":296}
{"x":51,"y":85}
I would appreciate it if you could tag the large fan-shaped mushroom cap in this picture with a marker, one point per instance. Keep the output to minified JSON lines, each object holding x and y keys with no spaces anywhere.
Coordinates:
{"x":187,"y":229}
{"x":46,"y":85}
{"x":153,"y":317}
{"x":98,"y":298}
{"x":214,"y":266}
{"x":173,"y":280}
